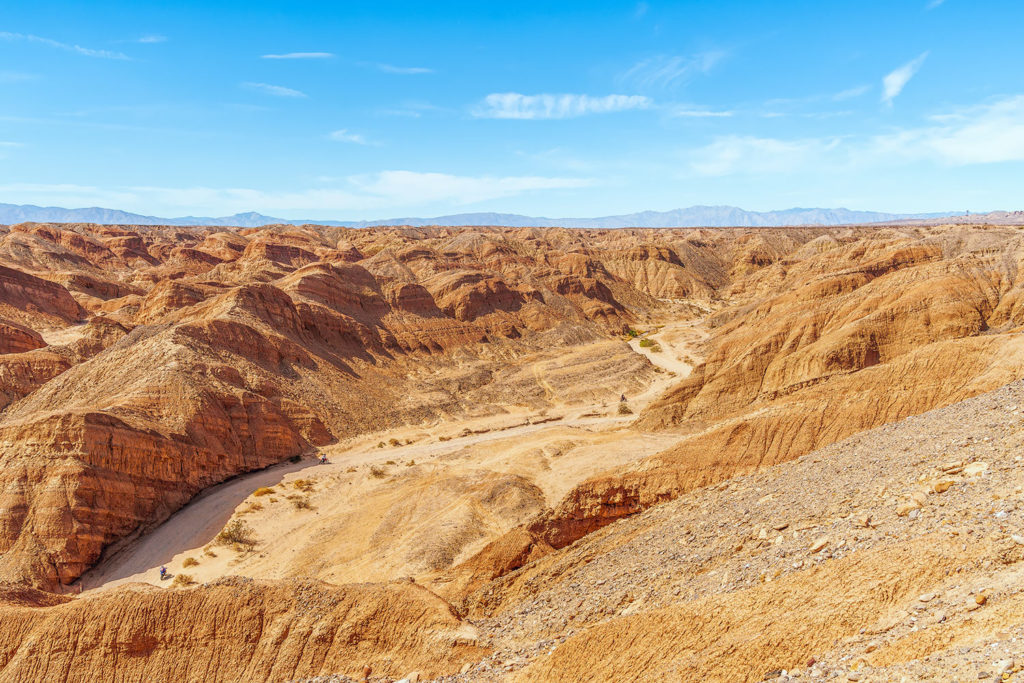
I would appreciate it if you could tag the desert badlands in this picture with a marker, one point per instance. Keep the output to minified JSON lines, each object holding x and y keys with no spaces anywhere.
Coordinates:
{"x":511,"y":454}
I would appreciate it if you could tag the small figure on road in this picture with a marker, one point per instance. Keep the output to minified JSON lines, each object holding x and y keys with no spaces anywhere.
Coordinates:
{"x":163,"y":573}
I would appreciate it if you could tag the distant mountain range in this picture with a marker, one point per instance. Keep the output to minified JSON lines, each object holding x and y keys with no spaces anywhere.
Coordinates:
{"x":694,"y":216}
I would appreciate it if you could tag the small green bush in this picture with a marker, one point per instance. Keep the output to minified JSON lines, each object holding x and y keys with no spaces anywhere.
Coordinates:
{"x":646,"y":343}
{"x":238,"y":532}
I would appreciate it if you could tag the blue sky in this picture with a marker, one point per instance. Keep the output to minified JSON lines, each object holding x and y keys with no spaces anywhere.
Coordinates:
{"x":365,"y":110}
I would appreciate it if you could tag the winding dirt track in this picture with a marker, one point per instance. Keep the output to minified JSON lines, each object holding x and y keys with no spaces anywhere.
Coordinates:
{"x":198,"y":523}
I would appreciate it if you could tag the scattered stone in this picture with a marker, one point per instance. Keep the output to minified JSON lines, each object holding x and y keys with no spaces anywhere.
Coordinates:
{"x":819,"y":545}
{"x":975,"y":468}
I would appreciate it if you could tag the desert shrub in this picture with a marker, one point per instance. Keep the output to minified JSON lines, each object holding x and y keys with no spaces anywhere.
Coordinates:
{"x":302,"y":504}
{"x":625,"y":409}
{"x":444,"y":438}
{"x":411,"y":463}
{"x":378,"y":472}
{"x":394,"y":442}
{"x":351,"y":469}
{"x":263,"y":491}
{"x":381,"y":445}
{"x":631,"y":333}
{"x":646,"y":343}
{"x":209,"y":552}
{"x":303,"y":485}
{"x":656,"y":348}
{"x":238,"y":532}
{"x":190,"y":562}
{"x":390,"y":462}
{"x":183,"y":580}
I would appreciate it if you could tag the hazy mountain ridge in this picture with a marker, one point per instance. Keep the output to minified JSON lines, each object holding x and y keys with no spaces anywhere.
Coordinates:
{"x":694,"y":216}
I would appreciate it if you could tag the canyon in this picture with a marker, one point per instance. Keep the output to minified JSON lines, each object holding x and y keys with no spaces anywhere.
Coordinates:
{"x":491,"y":453}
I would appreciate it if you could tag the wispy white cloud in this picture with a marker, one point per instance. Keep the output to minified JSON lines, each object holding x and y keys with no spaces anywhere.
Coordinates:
{"x":935,"y":3}
{"x":668,"y":71}
{"x":384,"y":191}
{"x":512,"y":105}
{"x":88,"y":52}
{"x":15,"y":77}
{"x":300,"y":55}
{"x":407,"y":113}
{"x":987,"y":133}
{"x":153,"y":38}
{"x":893,"y":83}
{"x":850,"y":93}
{"x":841,"y":96}
{"x":344,"y":135}
{"x":6,"y":146}
{"x":734,"y":154}
{"x":402,"y":70}
{"x":684,"y":111}
{"x":275,"y":90}
{"x":992,"y":132}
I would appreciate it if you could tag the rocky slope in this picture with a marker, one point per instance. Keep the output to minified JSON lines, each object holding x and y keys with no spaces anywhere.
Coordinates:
{"x":839,"y":335}
{"x":892,"y":555}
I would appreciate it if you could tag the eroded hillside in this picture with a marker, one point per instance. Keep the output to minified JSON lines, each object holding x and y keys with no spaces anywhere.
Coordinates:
{"x":464,"y":385}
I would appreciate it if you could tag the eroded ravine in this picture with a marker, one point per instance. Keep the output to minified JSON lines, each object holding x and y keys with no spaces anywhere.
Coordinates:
{"x":346,"y":496}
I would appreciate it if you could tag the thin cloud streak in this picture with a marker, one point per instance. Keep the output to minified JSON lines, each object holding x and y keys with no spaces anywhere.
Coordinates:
{"x":669,"y":71}
{"x":403,"y":70}
{"x":344,"y":135}
{"x":691,"y":112}
{"x":894,"y":82}
{"x":275,"y":90}
{"x":300,"y":55}
{"x":88,"y":52}
{"x":513,"y":105}
{"x":15,"y":77}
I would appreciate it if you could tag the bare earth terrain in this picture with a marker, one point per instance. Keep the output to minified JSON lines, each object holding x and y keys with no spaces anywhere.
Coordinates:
{"x":551,"y":454}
